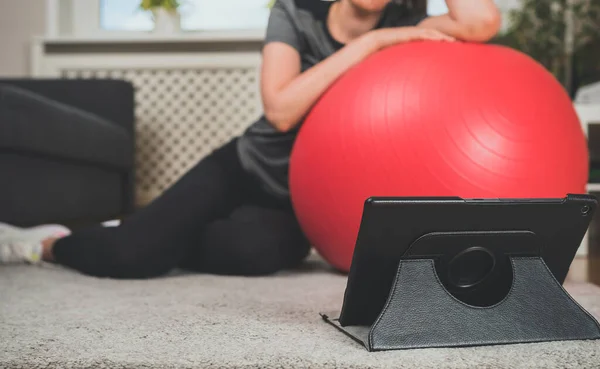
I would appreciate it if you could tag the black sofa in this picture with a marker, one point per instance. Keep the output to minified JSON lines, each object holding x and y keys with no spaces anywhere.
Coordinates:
{"x":66,"y":150}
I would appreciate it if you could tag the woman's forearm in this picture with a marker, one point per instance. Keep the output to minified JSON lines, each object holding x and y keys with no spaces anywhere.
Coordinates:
{"x":291,"y":103}
{"x":468,"y":20}
{"x":286,"y":106}
{"x":477,"y":16}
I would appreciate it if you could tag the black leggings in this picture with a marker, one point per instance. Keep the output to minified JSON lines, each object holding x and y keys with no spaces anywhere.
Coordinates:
{"x":215,"y":219}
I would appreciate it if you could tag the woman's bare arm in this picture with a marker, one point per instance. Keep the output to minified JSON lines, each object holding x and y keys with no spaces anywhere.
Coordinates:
{"x":288,"y":94}
{"x":467,"y":20}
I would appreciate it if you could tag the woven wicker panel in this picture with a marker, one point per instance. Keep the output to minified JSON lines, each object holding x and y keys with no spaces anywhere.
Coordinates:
{"x":181,"y":116}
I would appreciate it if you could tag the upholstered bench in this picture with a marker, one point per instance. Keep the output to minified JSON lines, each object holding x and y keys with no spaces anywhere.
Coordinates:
{"x":66,"y":150}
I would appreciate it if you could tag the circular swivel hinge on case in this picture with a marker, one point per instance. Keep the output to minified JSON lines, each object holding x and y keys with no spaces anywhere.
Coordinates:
{"x":477,"y":276}
{"x":470,"y":267}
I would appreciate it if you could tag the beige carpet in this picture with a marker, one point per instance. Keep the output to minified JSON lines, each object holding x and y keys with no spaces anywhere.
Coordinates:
{"x":55,"y":318}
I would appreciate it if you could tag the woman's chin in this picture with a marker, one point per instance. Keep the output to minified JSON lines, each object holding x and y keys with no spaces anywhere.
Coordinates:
{"x":370,"y":6}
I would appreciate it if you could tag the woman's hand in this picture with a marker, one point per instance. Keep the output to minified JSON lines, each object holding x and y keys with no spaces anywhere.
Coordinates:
{"x":386,"y":37}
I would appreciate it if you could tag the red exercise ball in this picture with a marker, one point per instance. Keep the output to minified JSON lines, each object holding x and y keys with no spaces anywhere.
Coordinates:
{"x":432,"y":119}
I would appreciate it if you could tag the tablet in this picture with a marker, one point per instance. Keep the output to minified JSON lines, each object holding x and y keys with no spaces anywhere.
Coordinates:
{"x":550,"y":228}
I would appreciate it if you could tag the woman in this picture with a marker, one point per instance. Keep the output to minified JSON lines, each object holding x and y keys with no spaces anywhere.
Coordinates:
{"x":231,"y":213}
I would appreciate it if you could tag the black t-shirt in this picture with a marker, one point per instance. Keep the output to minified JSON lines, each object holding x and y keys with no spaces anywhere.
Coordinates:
{"x":302,"y":24}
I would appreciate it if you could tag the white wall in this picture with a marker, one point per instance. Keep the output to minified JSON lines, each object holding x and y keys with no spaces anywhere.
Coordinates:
{"x":19,"y":22}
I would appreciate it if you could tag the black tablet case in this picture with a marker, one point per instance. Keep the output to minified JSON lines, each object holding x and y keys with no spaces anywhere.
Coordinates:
{"x":421,"y":313}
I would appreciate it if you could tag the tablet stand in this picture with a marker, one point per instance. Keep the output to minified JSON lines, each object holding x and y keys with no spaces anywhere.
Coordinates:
{"x":421,"y":312}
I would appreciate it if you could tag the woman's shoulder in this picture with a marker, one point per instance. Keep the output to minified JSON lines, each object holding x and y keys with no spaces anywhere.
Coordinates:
{"x":297,"y":22}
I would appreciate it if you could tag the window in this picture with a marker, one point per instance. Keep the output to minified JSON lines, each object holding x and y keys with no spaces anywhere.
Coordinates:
{"x":83,"y":18}
{"x":436,"y":7}
{"x":125,"y":15}
{"x":196,"y":15}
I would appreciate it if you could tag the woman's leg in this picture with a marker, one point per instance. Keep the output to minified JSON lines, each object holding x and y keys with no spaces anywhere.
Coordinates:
{"x":153,"y":241}
{"x":253,"y":240}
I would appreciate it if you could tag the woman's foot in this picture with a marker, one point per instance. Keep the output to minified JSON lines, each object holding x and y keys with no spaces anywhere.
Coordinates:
{"x":24,"y":245}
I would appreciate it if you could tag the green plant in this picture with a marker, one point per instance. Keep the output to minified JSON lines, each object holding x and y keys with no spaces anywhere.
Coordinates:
{"x":562,"y":35}
{"x":170,"y":5}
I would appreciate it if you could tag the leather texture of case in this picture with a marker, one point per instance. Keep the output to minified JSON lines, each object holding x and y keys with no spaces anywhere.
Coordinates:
{"x":421,"y":313}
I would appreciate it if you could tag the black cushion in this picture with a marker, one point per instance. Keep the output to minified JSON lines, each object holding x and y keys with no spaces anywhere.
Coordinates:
{"x":36,"y":190}
{"x":36,"y":124}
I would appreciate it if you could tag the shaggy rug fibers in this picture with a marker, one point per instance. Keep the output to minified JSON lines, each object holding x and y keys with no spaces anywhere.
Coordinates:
{"x":54,"y":318}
